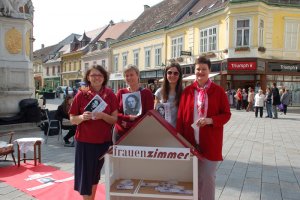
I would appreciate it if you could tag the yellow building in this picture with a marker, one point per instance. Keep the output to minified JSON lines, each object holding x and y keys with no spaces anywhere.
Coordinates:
{"x":72,"y":70}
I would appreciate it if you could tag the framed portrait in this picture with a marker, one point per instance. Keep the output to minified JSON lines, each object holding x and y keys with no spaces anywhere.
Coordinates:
{"x":132,"y":104}
{"x":97,"y":104}
{"x":164,"y":110}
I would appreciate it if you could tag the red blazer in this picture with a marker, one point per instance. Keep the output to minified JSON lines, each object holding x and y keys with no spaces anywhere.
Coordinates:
{"x":211,"y":136}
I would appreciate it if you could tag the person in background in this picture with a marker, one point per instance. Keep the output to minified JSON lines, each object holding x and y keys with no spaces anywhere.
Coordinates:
{"x":171,"y":90}
{"x":250,"y":100}
{"x":62,"y":112}
{"x":275,"y":100}
{"x":204,"y":105}
{"x":268,"y":100}
{"x":93,"y":134}
{"x":259,"y":100}
{"x":238,"y":97}
{"x":285,"y":100}
{"x":244,"y":99}
{"x":152,"y":88}
{"x":74,"y":91}
{"x":131,"y":74}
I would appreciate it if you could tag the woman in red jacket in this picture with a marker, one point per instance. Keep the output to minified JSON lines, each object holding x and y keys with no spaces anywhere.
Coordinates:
{"x":202,"y":113}
{"x":125,"y":120}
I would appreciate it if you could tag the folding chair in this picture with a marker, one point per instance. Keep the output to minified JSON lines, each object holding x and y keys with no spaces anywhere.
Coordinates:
{"x":52,"y":123}
{"x":6,"y":147}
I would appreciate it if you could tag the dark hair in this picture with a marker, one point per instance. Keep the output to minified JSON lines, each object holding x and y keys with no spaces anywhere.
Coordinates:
{"x":203,"y":60}
{"x":100,"y":69}
{"x":274,"y":84}
{"x":165,"y":90}
{"x":65,"y":105}
{"x":131,"y":96}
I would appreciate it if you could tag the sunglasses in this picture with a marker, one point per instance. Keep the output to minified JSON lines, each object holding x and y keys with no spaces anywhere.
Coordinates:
{"x":174,"y":73}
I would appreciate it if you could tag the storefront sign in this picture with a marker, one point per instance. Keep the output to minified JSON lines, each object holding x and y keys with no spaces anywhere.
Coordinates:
{"x":240,"y":66}
{"x":157,"y":153}
{"x":284,"y":67}
{"x":185,"y":53}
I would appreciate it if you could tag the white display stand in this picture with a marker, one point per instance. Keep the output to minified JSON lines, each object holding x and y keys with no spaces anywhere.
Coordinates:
{"x":154,"y":132}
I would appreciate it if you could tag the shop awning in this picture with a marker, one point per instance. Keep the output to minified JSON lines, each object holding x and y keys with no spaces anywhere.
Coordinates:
{"x":116,"y":77}
{"x":193,"y":77}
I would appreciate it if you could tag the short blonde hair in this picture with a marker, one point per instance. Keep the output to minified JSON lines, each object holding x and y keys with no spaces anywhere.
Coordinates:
{"x":131,"y":67}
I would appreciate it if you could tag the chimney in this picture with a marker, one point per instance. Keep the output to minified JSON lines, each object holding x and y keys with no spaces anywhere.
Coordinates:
{"x":111,"y":23}
{"x":42,"y":46}
{"x":146,"y":7}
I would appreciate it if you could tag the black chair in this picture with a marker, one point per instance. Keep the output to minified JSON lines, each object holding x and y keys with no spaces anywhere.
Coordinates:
{"x":52,"y":123}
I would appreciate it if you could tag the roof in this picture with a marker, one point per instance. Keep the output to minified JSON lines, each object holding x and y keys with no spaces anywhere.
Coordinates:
{"x":154,"y":131}
{"x":115,"y":30}
{"x":155,"y":18}
{"x":201,"y":8}
{"x":43,"y":53}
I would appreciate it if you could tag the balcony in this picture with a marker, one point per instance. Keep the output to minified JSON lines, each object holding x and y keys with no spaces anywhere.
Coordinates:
{"x":277,"y":2}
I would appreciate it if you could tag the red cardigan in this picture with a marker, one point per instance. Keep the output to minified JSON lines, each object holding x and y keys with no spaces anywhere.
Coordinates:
{"x":147,"y":104}
{"x":211,"y":136}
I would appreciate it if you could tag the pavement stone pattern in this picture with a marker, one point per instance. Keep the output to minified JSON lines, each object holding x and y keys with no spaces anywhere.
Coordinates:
{"x":261,"y":158}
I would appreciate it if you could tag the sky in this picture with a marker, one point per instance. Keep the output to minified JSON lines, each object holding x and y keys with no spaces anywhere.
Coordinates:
{"x":54,"y":20}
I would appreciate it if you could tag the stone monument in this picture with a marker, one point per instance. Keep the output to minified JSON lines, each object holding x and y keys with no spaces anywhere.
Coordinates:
{"x":16,"y":38}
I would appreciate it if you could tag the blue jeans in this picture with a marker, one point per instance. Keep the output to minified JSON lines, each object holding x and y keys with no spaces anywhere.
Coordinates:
{"x":269,"y":109}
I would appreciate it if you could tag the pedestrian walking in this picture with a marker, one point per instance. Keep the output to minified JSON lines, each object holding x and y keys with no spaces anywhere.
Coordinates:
{"x":275,"y":100}
{"x":259,"y":100}
{"x":268,"y":100}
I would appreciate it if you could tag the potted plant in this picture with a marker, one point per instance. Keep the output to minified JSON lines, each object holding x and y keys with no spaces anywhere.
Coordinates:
{"x":210,"y":55}
{"x":179,"y":59}
{"x":261,"y":49}
{"x":242,"y":49}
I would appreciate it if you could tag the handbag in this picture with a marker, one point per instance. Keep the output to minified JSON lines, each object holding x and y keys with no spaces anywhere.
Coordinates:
{"x":280,"y":107}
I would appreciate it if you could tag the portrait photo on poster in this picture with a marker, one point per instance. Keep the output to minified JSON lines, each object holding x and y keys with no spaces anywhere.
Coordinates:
{"x":132,"y":103}
{"x":164,"y":110}
{"x":97,"y":104}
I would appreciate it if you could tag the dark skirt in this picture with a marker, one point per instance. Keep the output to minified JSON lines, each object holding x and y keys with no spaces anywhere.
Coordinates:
{"x":88,"y":166}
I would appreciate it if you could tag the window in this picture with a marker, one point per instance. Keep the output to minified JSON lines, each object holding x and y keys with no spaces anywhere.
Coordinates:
{"x":261,"y":33}
{"x":65,"y":67}
{"x":53,"y":70}
{"x":177,"y":44}
{"x":124,"y":57}
{"x":116,"y":63}
{"x":70,"y":65}
{"x":208,"y":39}
{"x":58,"y":69}
{"x":147,"y":58}
{"x":74,"y":67}
{"x":47,"y":71}
{"x":86,"y":67}
{"x":136,"y":58}
{"x":242,"y":32}
{"x":291,"y":35}
{"x":157,"y":56}
{"x":103,"y":63}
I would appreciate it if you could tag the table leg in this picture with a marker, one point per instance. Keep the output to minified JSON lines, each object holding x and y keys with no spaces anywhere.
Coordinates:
{"x":18,"y":156}
{"x":40,"y":158}
{"x":34,"y":154}
{"x":24,"y":159}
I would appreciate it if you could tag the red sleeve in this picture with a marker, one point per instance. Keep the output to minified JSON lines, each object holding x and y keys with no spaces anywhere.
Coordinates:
{"x":113,"y":102}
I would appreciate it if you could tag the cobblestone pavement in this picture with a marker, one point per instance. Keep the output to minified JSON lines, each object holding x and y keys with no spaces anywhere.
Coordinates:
{"x":261,"y":158}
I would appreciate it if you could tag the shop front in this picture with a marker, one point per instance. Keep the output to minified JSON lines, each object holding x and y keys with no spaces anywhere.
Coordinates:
{"x":243,"y":73}
{"x":147,"y":77}
{"x":287,"y":75}
{"x":52,"y":83}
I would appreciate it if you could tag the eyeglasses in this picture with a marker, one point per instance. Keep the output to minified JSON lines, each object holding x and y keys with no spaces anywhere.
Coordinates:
{"x":174,"y":73}
{"x":96,"y":75}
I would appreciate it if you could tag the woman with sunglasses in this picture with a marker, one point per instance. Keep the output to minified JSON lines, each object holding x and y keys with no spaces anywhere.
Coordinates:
{"x":93,"y":133}
{"x":171,"y":90}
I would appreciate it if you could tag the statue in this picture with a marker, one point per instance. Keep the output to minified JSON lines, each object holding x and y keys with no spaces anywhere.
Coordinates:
{"x":10,"y":8}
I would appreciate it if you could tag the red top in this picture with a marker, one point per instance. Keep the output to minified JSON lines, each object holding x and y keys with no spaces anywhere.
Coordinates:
{"x":211,"y":136}
{"x":93,"y":131}
{"x":147,"y":104}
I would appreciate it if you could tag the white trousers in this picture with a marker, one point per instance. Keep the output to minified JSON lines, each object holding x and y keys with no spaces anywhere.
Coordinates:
{"x":206,"y":179}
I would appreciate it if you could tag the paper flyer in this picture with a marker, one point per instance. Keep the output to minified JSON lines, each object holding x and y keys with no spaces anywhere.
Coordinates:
{"x":97,"y":104}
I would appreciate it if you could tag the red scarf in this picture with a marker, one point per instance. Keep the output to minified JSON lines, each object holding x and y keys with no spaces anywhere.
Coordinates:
{"x":202,"y":99}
